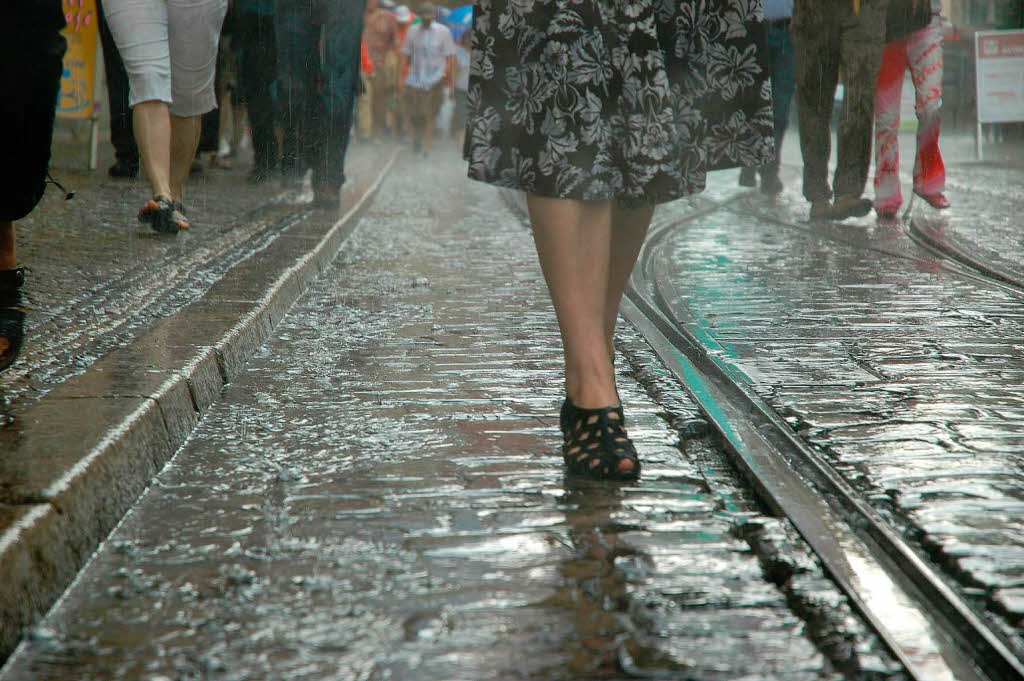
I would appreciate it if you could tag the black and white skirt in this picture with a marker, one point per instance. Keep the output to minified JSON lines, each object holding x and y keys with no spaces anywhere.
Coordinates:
{"x":633,"y":100}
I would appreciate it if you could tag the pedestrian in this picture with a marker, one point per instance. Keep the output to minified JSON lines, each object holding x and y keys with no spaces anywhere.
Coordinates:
{"x":598,"y":110}
{"x":256,"y":45}
{"x":429,"y":54}
{"x":169,"y":48}
{"x":126,"y":152}
{"x":317,"y":89}
{"x":777,"y":16}
{"x":462,"y":59}
{"x":381,"y":37}
{"x":913,"y":40}
{"x":404,"y":17}
{"x":31,"y":53}
{"x":829,"y":36}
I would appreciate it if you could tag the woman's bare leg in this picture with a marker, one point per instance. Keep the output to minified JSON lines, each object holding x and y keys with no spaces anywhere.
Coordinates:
{"x":574,"y":246}
{"x":183,"y":144}
{"x":629,"y":227}
{"x":152,"y":124}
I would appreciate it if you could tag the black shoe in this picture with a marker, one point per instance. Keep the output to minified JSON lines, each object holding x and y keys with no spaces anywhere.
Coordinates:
{"x":748,"y":177}
{"x":771,"y":184}
{"x":124,"y":170}
{"x":595,"y":443}
{"x":846,"y":206}
{"x":12,"y":317}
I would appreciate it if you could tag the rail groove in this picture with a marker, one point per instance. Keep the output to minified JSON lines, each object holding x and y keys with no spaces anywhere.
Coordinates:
{"x":925,"y":623}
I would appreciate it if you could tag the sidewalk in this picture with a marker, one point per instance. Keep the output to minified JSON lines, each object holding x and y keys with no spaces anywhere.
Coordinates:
{"x":130,"y":338}
{"x":902,"y":367}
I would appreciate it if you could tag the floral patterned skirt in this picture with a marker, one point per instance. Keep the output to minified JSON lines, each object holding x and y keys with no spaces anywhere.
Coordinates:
{"x":633,"y":100}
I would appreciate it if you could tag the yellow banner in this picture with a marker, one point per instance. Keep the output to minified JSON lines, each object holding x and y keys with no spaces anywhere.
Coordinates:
{"x":78,"y":81}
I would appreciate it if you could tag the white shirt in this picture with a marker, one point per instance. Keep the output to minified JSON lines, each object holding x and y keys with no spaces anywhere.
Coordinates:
{"x":428,"y":52}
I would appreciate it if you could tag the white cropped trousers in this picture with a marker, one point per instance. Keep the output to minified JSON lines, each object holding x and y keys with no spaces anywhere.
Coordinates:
{"x":169,"y":49}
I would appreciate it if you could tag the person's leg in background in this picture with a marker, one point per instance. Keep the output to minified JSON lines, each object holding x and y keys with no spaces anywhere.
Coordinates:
{"x":384,"y":107}
{"x":817,"y":74}
{"x":343,"y":31}
{"x":298,"y":69}
{"x":924,"y":55}
{"x":888,"y":94}
{"x":257,"y":73}
{"x":783,"y":76}
{"x":139,"y":28}
{"x":364,"y":107}
{"x":122,"y":136}
{"x":860,"y":44}
{"x":193,"y":62}
{"x":209,"y":140}
{"x":31,"y":52}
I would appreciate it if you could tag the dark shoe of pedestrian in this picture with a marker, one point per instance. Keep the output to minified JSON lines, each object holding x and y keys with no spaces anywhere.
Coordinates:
{"x":12,"y":317}
{"x":163,"y":215}
{"x":846,"y":206}
{"x":821,"y":209}
{"x":937,"y":200}
{"x":123,"y":170}
{"x":596,"y":444}
{"x":748,"y":177}
{"x":771,"y":184}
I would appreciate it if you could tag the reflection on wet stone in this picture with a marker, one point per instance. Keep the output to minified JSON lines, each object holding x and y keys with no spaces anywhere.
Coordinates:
{"x":903,"y":372}
{"x":380,"y":496}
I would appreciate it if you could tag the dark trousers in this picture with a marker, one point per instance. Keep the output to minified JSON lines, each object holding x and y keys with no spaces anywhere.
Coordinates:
{"x":121,"y":134}
{"x":317,"y":96}
{"x":31,"y":54}
{"x":827,"y":37}
{"x":257,"y":64}
{"x":783,"y":74}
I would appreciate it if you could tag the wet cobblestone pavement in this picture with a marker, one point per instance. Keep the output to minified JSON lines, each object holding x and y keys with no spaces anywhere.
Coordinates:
{"x":904,"y":369}
{"x":97,"y":277}
{"x":379,"y":496}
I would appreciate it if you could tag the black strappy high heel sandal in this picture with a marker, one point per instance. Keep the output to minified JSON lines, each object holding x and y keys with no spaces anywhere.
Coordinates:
{"x":164,"y":215}
{"x":596,"y":444}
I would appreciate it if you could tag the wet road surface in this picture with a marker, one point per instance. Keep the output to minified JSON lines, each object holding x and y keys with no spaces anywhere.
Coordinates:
{"x":380,"y":496}
{"x":98,"y":278}
{"x":905,"y":373}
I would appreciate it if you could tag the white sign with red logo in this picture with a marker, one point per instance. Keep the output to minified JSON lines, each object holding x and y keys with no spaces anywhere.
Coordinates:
{"x":1000,"y":69}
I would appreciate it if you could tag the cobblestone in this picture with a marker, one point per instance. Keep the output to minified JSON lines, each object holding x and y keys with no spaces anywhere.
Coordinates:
{"x":379,"y":496}
{"x":98,"y":278}
{"x":904,"y":372}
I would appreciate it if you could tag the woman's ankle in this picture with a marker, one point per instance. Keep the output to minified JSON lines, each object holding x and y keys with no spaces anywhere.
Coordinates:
{"x":592,"y":393}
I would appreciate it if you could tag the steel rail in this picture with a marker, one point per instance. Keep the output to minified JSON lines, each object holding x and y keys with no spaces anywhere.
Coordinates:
{"x":927,"y":626}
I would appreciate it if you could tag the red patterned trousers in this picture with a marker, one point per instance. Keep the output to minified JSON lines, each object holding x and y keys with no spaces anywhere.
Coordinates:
{"x":921,"y":52}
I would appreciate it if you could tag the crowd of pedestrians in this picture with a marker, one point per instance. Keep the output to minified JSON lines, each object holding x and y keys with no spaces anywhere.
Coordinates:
{"x":597,"y":111}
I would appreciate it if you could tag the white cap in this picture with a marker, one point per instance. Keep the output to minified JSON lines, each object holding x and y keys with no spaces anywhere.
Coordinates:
{"x":403,"y":14}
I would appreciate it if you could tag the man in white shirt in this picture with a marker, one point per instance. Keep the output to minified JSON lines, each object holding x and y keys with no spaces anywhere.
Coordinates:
{"x":429,"y":54}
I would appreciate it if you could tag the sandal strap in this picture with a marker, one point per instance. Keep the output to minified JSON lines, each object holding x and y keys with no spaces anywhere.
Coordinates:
{"x":595,"y":442}
{"x":11,"y":280}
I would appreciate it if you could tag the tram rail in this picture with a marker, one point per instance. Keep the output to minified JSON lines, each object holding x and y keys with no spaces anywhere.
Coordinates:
{"x":919,"y":615}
